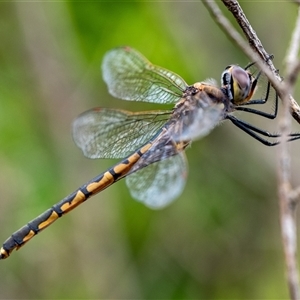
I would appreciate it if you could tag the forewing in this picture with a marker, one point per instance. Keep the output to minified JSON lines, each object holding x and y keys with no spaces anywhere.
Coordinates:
{"x":112,"y":133}
{"x":130,"y":76}
{"x":159,"y":183}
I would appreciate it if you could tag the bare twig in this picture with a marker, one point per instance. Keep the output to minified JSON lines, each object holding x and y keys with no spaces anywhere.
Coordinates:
{"x":291,"y":60}
{"x":286,"y":201}
{"x":295,"y":194}
{"x":256,"y":52}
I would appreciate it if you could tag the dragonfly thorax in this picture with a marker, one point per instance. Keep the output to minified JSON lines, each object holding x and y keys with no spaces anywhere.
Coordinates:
{"x":212,"y":90}
{"x":215,"y":94}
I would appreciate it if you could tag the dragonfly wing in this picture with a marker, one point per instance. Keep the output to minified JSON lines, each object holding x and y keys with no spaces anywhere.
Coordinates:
{"x":159,"y":183}
{"x":112,"y":133}
{"x":130,"y":76}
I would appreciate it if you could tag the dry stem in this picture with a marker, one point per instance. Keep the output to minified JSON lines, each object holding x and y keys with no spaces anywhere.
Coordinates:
{"x":256,"y":52}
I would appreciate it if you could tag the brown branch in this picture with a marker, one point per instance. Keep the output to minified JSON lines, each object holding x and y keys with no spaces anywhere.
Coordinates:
{"x":291,"y":59}
{"x":256,"y":52}
{"x":286,"y":198}
{"x":287,"y":203}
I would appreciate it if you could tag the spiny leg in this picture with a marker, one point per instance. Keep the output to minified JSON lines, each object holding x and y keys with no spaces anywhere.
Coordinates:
{"x":255,"y":131}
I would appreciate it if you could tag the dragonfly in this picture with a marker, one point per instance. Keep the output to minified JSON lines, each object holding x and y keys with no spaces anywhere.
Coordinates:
{"x":152,"y":143}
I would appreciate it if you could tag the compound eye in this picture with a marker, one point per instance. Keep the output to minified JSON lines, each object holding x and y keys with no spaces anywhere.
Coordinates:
{"x":226,"y":77}
{"x":241,"y":84}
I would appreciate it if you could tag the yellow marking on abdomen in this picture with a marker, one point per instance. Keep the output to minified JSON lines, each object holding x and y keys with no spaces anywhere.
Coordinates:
{"x":53,"y":217}
{"x":26,"y":238}
{"x":123,"y":168}
{"x":96,"y":187}
{"x":4,"y":253}
{"x":145,"y":148}
{"x":78,"y":199}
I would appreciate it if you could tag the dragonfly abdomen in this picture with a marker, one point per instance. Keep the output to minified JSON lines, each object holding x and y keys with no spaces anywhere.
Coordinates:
{"x":96,"y":185}
{"x":28,"y":231}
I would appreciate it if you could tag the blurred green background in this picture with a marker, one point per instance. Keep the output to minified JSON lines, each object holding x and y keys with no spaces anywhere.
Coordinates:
{"x":220,"y":239}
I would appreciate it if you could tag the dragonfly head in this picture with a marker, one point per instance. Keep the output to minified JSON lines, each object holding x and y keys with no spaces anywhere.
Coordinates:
{"x":237,"y":84}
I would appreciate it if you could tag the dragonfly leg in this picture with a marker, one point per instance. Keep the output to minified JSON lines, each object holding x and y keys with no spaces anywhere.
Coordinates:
{"x":255,"y":132}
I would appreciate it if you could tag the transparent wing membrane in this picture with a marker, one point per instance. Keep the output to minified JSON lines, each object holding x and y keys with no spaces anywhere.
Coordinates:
{"x":112,"y":133}
{"x":159,"y":183}
{"x":130,"y":76}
